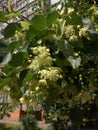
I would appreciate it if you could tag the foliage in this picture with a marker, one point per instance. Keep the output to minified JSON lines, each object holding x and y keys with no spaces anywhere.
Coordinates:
{"x":3,"y":50}
{"x":54,"y":61}
{"x":10,"y":126}
{"x":6,"y":109}
{"x":28,"y":122}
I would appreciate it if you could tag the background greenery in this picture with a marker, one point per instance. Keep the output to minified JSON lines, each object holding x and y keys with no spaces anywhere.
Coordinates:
{"x":53,"y":62}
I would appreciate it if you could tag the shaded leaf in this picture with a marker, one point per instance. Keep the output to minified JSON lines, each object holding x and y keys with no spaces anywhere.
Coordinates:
{"x":22,"y":75}
{"x":39,"y":22}
{"x":12,"y":46}
{"x":18,"y":59}
{"x":51,"y":98}
{"x":4,"y":50}
{"x":9,"y":31}
{"x":51,"y":18}
{"x":6,"y":59}
{"x":73,"y":19}
{"x":28,"y":77}
{"x":4,"y":82}
{"x":91,"y":49}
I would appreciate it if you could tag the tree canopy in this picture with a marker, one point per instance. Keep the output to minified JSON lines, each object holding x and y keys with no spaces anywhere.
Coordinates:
{"x":54,"y":60}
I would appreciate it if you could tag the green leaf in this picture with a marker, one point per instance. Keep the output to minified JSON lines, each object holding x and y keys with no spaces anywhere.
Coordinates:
{"x":18,"y":59}
{"x":4,"y":50}
{"x":4,"y":82}
{"x":91,"y":48}
{"x":2,"y":17}
{"x":9,"y":31}
{"x":28,"y":77}
{"x":73,"y":19}
{"x":33,"y":31}
{"x":12,"y":46}
{"x":65,"y":48}
{"x":22,"y":75}
{"x":25,"y":25}
{"x":15,"y":92}
{"x":51,"y":18}
{"x":13,"y":15}
{"x":52,"y":96}
{"x":39,"y":22}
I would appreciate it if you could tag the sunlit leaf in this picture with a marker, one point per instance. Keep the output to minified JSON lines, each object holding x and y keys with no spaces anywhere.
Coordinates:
{"x":25,"y":25}
{"x":4,"y":82}
{"x":39,"y":22}
{"x":2,"y":16}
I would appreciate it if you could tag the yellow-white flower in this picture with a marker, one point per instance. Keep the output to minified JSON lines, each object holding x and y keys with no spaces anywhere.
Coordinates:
{"x":30,"y":100}
{"x":22,"y":100}
{"x":62,"y":12}
{"x":84,"y":31}
{"x":70,"y":10}
{"x":73,"y":38}
{"x":35,"y":50}
{"x":69,"y":31}
{"x":43,"y":82}
{"x":78,"y":26}
{"x":37,"y":88}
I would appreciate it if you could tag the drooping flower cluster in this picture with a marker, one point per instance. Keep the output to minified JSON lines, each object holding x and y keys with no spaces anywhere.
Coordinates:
{"x":51,"y":74}
{"x":43,"y":63}
{"x":70,"y":33}
{"x":42,"y":57}
{"x":84,"y":31}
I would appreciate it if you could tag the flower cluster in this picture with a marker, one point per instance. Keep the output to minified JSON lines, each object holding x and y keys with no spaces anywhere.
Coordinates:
{"x":84,"y":31}
{"x":70,"y":10}
{"x":85,"y":97}
{"x":70,"y":33}
{"x":42,"y":57}
{"x":43,"y":82}
{"x":40,"y":50}
{"x":20,"y":36}
{"x":51,"y":74}
{"x":73,"y":38}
